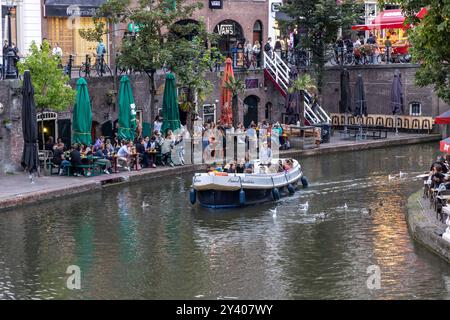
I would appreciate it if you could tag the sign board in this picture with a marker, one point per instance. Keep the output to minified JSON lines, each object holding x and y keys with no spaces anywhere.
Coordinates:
{"x":209,"y":113}
{"x":251,"y":83}
{"x":276,"y":6}
{"x":215,"y":4}
{"x":225,"y":29}
{"x":137,"y":27}
{"x":69,"y":11}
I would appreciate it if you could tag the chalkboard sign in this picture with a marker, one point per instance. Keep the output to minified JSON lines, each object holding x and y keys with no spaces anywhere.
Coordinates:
{"x":215,"y":4}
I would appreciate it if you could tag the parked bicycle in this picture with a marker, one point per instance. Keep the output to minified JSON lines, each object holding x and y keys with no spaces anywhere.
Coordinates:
{"x":101,"y":67}
{"x":85,"y":69}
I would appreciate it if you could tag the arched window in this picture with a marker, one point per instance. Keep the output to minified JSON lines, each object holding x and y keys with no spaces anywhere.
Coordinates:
{"x":257,"y":32}
{"x":230,"y":35}
{"x":415,"y":108}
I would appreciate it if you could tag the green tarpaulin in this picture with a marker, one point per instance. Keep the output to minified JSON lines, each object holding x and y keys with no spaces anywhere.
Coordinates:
{"x":171,"y":116}
{"x":127,"y":111}
{"x":82,"y":115}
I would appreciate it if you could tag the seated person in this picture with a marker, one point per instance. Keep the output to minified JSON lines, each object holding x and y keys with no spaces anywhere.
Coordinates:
{"x":123,"y":155}
{"x":75,"y":160}
{"x":102,"y":158}
{"x":437,"y":178}
{"x":248,"y":166}
{"x":140,"y":149}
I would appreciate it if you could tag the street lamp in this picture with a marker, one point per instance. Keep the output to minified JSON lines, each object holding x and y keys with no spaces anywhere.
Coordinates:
{"x":11,"y":71}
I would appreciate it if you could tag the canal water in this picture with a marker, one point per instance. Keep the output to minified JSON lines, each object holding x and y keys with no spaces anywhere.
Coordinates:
{"x":354,"y":222}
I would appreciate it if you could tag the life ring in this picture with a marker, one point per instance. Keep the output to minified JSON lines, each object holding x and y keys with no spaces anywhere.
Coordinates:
{"x":221,"y":174}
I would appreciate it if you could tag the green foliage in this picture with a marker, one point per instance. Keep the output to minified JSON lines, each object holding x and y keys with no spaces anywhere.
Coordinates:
{"x":429,"y":43}
{"x":236,"y":86}
{"x":51,"y":87}
{"x":320,"y":20}
{"x":303,"y":82}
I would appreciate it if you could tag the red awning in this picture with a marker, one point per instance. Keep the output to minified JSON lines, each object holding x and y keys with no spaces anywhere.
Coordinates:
{"x":389,"y":19}
{"x":443,"y":118}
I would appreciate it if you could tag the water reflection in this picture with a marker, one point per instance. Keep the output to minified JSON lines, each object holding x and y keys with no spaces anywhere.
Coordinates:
{"x":171,"y":250}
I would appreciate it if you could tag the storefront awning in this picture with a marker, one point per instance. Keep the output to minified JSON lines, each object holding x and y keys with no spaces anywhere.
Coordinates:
{"x":67,"y":8}
{"x":443,"y":118}
{"x":389,"y":19}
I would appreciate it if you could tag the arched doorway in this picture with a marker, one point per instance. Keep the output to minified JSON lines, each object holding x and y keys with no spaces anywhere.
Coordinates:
{"x":250,"y":110}
{"x":47,"y":127}
{"x":187,"y":29}
{"x":257,"y":32}
{"x":231,"y":34}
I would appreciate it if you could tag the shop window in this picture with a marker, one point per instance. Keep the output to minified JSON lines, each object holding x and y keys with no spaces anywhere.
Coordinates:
{"x":415,"y":109}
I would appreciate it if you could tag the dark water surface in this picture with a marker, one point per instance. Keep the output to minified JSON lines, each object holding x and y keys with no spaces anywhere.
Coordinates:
{"x":171,"y":250}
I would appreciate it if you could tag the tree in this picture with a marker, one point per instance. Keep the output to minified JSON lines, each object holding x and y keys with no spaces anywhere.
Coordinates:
{"x":236,"y":87}
{"x":51,"y":85}
{"x":151,"y":48}
{"x":303,"y":83}
{"x":190,"y":61}
{"x":429,"y":43}
{"x":318,"y":23}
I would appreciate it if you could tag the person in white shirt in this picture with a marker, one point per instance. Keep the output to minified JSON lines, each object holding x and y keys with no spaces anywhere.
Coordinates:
{"x":265,"y":154}
{"x":157,"y":124}
{"x":123,"y":155}
{"x":57,"y":51}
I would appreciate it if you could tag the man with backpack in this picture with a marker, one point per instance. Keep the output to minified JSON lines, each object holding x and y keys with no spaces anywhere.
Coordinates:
{"x":268,"y":48}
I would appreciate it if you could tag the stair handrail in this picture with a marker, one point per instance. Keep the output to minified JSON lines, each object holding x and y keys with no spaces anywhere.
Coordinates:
{"x":311,"y":113}
{"x":281,"y":74}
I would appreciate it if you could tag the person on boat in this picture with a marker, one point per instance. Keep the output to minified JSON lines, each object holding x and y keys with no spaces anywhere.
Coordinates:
{"x":248,"y":166}
{"x":265,"y":154}
{"x":280,"y":166}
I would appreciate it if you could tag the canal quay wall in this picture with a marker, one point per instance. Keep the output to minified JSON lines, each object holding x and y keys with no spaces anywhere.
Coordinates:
{"x":20,"y":192}
{"x":425,"y":228}
{"x":378,"y":82}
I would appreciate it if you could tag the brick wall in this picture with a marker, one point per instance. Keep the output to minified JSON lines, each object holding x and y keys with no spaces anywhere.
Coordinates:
{"x":377,"y":83}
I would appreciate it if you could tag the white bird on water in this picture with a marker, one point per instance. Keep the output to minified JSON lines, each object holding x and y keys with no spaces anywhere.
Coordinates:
{"x":402,"y":174}
{"x":144,"y":205}
{"x":345,"y":206}
{"x":274,"y":212}
{"x":391,"y":177}
{"x":304,"y":206}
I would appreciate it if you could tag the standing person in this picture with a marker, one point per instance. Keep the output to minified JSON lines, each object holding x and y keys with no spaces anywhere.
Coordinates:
{"x":157,"y":124}
{"x":57,"y":51}
{"x":278,"y":48}
{"x":248,"y":51}
{"x":5,"y":54}
{"x":101,"y":49}
{"x":388,"y":45}
{"x":257,"y":53}
{"x":339,"y":50}
{"x":17,"y":54}
{"x":268,"y":47}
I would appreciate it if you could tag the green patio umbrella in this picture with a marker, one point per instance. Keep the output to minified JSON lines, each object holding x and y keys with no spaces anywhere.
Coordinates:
{"x":82,"y":115}
{"x":127,"y":111}
{"x":171,"y":116}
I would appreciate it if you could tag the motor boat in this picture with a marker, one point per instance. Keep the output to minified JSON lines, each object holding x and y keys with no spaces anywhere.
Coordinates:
{"x":217,"y":189}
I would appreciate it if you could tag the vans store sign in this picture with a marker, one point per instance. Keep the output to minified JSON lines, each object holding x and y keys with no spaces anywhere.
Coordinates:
{"x":215,"y":4}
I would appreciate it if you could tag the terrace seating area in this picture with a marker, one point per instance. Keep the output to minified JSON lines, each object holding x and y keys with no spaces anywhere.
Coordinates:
{"x":377,"y":124}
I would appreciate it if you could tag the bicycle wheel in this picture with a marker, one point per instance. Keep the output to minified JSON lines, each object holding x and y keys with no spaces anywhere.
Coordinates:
{"x":107,"y":70}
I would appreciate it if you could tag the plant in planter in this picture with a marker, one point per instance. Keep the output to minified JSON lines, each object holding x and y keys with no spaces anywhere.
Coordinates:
{"x":8,"y":124}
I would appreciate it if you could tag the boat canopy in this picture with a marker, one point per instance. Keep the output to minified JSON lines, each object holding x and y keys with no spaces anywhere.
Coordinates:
{"x":389,"y":19}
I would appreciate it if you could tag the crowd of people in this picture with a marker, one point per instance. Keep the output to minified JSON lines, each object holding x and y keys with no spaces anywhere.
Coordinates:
{"x":113,"y":155}
{"x":117,"y":154}
{"x":438,"y":180}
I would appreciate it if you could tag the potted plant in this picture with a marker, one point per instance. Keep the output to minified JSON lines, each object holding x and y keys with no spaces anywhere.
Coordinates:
{"x":7,"y":123}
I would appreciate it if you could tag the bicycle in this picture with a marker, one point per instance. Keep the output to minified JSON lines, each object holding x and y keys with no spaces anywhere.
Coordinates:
{"x":101,"y":67}
{"x":85,"y":67}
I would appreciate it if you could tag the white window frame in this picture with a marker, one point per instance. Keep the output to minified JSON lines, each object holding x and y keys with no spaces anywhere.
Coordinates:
{"x":411,"y":109}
